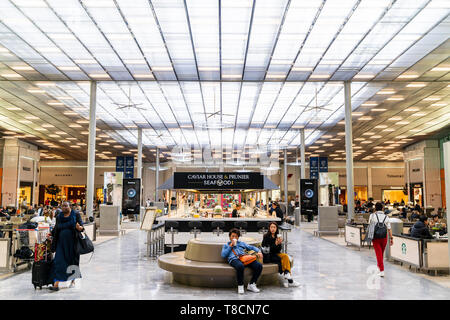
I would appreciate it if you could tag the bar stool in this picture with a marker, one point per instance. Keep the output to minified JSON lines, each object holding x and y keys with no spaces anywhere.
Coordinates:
{"x":172,"y":229}
{"x":217,"y":227}
{"x":263,"y":227}
{"x":241,"y":225}
{"x":196,"y":227}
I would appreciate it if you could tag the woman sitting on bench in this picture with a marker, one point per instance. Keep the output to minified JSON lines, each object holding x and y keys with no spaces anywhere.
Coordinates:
{"x":232,"y":251}
{"x":271,"y":245}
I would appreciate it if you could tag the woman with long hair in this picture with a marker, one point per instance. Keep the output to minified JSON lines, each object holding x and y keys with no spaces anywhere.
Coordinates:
{"x":271,"y":247}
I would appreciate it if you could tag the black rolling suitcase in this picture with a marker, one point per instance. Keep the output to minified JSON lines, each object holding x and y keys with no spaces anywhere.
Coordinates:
{"x":41,"y":273}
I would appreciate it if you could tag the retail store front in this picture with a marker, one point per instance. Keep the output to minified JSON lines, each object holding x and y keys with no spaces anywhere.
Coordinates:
{"x":71,"y":193}
{"x":394,"y":195}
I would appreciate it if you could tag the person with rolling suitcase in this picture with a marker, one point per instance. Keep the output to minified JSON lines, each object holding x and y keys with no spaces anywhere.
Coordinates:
{"x":42,"y":265}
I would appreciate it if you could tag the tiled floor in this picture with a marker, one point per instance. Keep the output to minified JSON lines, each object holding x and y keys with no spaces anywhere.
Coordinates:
{"x":119,"y":270}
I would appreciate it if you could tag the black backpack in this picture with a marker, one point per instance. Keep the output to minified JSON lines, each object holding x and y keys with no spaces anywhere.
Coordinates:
{"x":380,"y":231}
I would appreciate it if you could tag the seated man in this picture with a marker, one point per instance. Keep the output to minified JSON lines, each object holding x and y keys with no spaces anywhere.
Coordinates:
{"x":420,"y":229}
{"x":232,"y":251}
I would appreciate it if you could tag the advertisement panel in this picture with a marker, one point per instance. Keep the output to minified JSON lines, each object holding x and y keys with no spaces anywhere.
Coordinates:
{"x":131,"y":196}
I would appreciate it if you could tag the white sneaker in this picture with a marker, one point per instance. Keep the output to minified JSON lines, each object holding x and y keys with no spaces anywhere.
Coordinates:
{"x":285,"y":283}
{"x":288,"y":276}
{"x":252,"y":287}
{"x":241,"y":289}
{"x":293,"y":284}
{"x":381,"y":274}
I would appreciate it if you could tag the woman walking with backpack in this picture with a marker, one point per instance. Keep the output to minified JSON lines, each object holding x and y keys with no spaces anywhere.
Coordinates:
{"x":379,"y":227}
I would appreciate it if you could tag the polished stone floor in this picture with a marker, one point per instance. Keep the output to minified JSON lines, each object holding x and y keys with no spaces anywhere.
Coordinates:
{"x":120,"y":270}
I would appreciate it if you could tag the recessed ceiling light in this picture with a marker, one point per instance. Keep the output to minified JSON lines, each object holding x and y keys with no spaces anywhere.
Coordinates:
{"x":13,"y":108}
{"x":369,"y":104}
{"x":75,"y":146}
{"x":378,"y":109}
{"x":403,"y":122}
{"x":395,"y":98}
{"x":395,"y":119}
{"x":55,"y":103}
{"x":23,"y":68}
{"x":432,"y":99}
{"x":11,"y":75}
{"x":365,"y":118}
{"x":419,"y":114}
{"x":304,"y":69}
{"x":441,"y":69}
{"x":389,"y":130}
{"x":416,"y":85}
{"x":381,"y":126}
{"x":47,"y":125}
{"x":368,"y":133}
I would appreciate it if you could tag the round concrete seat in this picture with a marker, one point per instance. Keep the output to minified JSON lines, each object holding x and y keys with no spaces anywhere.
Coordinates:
{"x":201,"y":265}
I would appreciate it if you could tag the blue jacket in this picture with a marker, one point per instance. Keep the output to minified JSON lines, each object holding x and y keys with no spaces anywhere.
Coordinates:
{"x":238,"y":248}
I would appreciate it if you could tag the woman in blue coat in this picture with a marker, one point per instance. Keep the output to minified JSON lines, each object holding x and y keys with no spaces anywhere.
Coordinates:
{"x":68,"y":222}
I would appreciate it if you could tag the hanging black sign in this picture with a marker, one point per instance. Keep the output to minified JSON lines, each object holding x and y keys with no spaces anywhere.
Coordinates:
{"x":218,"y":180}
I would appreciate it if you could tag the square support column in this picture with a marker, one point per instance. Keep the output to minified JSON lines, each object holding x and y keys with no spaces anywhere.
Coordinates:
{"x":349,"y":149}
{"x":90,"y":190}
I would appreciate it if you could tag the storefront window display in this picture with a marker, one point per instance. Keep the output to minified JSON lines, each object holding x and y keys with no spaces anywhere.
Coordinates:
{"x":394,"y":196}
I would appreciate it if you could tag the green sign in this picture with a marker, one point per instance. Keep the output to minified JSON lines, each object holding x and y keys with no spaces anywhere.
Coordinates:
{"x":403,"y":248}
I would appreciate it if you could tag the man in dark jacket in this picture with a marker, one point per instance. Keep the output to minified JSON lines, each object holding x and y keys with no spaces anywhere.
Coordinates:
{"x":420,"y":229}
{"x":278,"y":211}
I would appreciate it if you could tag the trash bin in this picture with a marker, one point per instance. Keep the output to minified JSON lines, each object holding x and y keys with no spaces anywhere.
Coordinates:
{"x":397,"y":229}
{"x":297,"y":216}
{"x":396,"y":226}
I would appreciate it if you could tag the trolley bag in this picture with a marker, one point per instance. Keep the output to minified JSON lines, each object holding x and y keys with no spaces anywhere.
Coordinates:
{"x":41,"y":273}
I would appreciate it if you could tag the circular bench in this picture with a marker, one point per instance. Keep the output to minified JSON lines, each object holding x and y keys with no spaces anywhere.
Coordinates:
{"x":202,"y":265}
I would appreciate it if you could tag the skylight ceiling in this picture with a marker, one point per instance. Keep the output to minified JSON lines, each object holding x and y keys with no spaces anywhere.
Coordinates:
{"x":261,"y":63}
{"x":196,"y":40}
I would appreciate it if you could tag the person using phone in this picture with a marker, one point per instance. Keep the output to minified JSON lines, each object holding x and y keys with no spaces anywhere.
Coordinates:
{"x":232,"y":251}
{"x":271,"y":245}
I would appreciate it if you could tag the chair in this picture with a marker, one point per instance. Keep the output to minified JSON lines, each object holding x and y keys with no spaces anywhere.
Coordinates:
{"x":241,"y":225}
{"x":263,"y":226}
{"x":217,"y":227}
{"x":173,"y":225}
{"x":195,"y":227}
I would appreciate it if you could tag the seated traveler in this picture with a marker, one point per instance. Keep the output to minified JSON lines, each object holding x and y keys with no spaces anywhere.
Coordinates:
{"x":415,"y":215}
{"x":271,"y":245}
{"x":232,"y":251}
{"x":420,"y":229}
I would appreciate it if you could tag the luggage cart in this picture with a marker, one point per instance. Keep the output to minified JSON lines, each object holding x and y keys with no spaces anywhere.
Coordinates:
{"x":27,"y":238}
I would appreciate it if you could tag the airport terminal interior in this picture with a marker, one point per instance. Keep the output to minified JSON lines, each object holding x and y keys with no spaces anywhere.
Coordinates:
{"x":138,"y":138}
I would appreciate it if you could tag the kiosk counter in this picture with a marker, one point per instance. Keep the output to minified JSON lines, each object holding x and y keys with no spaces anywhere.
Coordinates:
{"x":425,"y":254}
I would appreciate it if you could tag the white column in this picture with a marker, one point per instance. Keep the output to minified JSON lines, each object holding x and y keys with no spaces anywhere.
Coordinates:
{"x":302,"y":154}
{"x":91,"y":151}
{"x":157,"y":174}
{"x":369,"y":182}
{"x":446,"y":147}
{"x":349,"y":149}
{"x":285,"y":180}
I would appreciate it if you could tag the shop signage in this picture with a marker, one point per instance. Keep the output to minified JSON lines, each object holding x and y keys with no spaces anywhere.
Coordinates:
{"x":120,"y":164}
{"x":314,"y":167}
{"x":323,"y":164}
{"x":129,"y":167}
{"x":218,"y":180}
{"x":26,"y":169}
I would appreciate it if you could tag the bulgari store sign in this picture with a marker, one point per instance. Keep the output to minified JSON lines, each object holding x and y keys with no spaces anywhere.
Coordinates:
{"x":218,"y":180}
